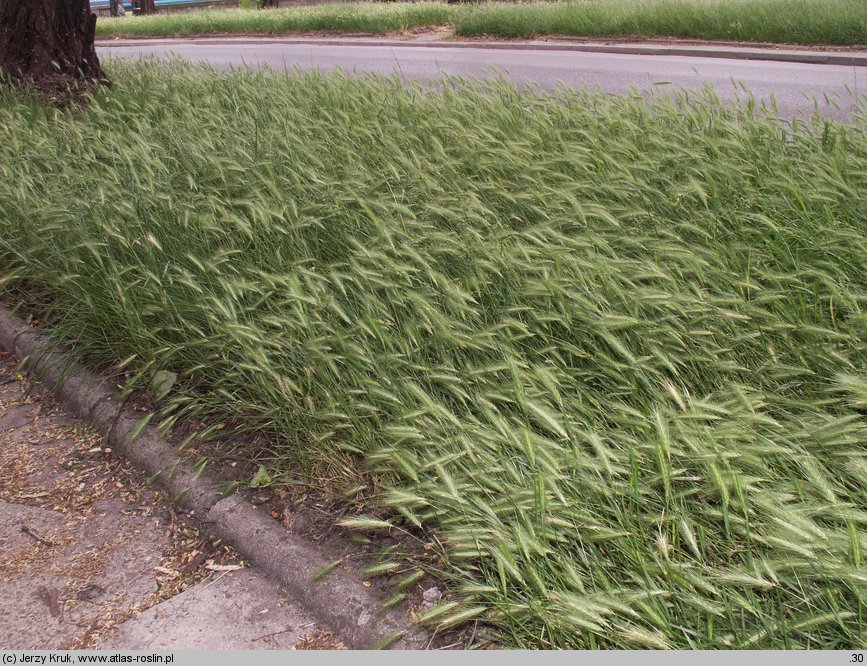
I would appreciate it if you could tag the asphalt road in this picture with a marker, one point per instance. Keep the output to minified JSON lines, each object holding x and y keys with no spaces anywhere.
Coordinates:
{"x":798,"y":88}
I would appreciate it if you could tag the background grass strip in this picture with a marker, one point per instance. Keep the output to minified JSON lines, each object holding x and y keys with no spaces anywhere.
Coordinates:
{"x":782,"y":21}
{"x":362,"y":17}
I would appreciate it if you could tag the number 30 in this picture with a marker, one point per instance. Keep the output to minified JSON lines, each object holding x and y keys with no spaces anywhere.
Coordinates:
{"x":857,"y":658}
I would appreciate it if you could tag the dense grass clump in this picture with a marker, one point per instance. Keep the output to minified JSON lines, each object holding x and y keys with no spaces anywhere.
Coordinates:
{"x":612,"y":351}
{"x":782,"y":21}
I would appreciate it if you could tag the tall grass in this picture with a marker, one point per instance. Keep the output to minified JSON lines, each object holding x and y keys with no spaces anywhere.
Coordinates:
{"x":784,"y":21}
{"x":612,"y":351}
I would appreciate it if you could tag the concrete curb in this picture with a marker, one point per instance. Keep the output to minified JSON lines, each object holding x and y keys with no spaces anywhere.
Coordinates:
{"x":848,"y":59}
{"x":339,"y":600}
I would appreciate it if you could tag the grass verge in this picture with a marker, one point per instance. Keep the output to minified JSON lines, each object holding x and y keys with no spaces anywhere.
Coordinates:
{"x":612,"y":351}
{"x":841,"y":22}
{"x":364,"y":17}
{"x":781,"y":21}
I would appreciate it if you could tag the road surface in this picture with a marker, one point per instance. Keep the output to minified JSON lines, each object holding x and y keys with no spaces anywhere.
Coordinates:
{"x":797,"y":87}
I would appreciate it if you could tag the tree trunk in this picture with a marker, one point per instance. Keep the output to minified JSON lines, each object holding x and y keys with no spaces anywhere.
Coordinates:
{"x":48,"y":42}
{"x":148,"y":7}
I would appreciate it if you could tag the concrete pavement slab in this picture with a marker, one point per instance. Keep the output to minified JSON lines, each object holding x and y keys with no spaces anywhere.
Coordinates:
{"x":239,"y":610}
{"x":60,"y":575}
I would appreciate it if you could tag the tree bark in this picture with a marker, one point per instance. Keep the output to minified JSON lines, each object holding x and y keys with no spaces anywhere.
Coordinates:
{"x":48,"y":42}
{"x":148,"y":7}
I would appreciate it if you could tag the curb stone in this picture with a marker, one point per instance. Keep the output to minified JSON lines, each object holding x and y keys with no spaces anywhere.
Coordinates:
{"x":849,"y":59}
{"x":339,"y":600}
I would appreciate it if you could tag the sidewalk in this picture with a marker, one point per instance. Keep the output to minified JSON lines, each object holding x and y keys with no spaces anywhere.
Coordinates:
{"x":91,"y":557}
